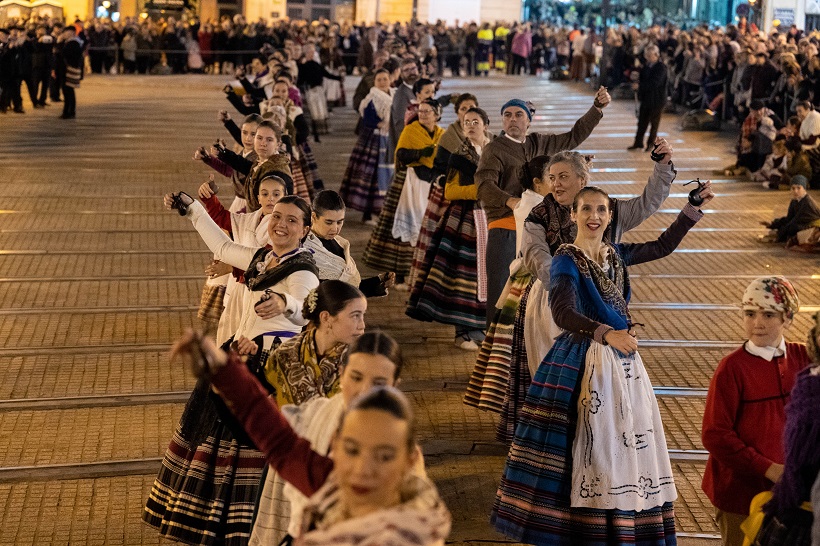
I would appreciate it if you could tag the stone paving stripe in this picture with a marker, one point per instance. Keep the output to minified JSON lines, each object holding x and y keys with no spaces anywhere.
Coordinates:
{"x":688,"y":455}
{"x":119,"y":278}
{"x":713,"y":276}
{"x":96,"y":310}
{"x":172,"y":252}
{"x":681,"y":391}
{"x":78,"y":471}
{"x":719,"y":211}
{"x":705,"y":306}
{"x":86,"y":349}
{"x":77,"y":402}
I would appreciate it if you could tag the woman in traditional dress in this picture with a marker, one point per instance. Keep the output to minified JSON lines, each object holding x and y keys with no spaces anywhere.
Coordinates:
{"x":390,"y":245}
{"x":332,"y":251}
{"x":546,"y":227}
{"x":450,"y":142}
{"x":589,"y":463}
{"x":209,"y":478}
{"x":367,"y":489}
{"x":423,"y":89}
{"x":488,"y":381}
{"x":370,"y":168}
{"x":447,"y":289}
{"x":303,"y":179}
{"x":372,"y":360}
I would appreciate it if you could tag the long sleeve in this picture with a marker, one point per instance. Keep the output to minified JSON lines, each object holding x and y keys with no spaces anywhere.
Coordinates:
{"x":218,"y":165}
{"x":284,"y":450}
{"x":719,"y":423}
{"x":490,"y":169}
{"x":441,"y":161}
{"x":298,"y":284}
{"x":224,"y":249}
{"x":406,"y":156}
{"x":536,"y":251}
{"x":551,"y":144}
{"x":234,"y":130}
{"x":631,"y":212}
{"x":777,"y":223}
{"x":638,"y":253}
{"x":236,"y":161}
{"x":563,"y":305}
{"x":218,"y":213}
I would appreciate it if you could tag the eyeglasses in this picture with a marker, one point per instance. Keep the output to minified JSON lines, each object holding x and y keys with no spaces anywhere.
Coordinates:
{"x":468,"y":123}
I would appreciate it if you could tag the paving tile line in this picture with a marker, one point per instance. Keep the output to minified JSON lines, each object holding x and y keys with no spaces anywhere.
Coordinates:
{"x":178,"y":397}
{"x":150,"y":465}
{"x":158,"y":347}
{"x":107,"y":252}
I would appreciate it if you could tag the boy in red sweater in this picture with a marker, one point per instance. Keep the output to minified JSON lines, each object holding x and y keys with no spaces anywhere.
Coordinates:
{"x":745,"y":408}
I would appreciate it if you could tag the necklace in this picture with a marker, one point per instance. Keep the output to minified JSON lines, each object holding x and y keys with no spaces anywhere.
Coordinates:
{"x":278,"y":259}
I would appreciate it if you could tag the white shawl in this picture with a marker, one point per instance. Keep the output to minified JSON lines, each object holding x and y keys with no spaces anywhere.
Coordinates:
{"x":382,"y":102}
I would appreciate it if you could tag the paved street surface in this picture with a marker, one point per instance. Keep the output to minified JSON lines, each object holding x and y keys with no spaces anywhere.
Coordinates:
{"x":96,"y":280}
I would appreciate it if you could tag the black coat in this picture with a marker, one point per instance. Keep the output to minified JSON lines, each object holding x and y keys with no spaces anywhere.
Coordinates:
{"x":652,"y":86}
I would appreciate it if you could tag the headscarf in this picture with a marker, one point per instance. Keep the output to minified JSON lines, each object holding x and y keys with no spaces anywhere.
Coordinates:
{"x":771,"y":294}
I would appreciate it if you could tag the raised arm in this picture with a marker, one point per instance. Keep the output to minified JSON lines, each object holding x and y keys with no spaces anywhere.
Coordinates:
{"x":549,"y":144}
{"x":631,"y":212}
{"x":224,"y":249}
{"x":638,"y":253}
{"x":284,"y":450}
{"x":235,"y":161}
{"x":234,"y":130}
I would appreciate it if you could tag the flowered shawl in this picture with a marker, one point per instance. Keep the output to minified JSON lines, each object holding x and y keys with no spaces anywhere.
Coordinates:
{"x":603,"y":292}
{"x":422,"y":519}
{"x":297,"y":373}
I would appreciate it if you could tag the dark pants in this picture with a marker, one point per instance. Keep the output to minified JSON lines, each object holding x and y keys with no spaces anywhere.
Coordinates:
{"x":69,"y":102}
{"x":648,"y":117}
{"x":55,"y":85}
{"x":500,"y":254}
{"x":41,"y":82}
{"x":519,"y":64}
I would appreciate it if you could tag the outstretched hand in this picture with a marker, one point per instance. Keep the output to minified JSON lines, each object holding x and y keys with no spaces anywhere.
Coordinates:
{"x":664,"y":148}
{"x":706,"y":193}
{"x":199,"y":354}
{"x":602,"y":98}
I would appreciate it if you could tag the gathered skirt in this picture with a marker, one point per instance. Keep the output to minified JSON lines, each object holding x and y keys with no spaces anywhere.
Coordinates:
{"x":384,"y":252}
{"x":310,"y":168}
{"x":208,"y":481}
{"x":446,"y":289}
{"x":436,"y":205}
{"x":490,"y":375}
{"x":533,"y":500}
{"x":368,"y":174}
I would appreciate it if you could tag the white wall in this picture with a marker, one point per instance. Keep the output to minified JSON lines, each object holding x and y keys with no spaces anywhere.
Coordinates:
{"x":449,"y":11}
{"x":799,"y":7}
{"x":500,"y":10}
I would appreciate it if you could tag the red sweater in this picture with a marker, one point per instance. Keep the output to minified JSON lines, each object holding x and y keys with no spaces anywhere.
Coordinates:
{"x":288,"y":453}
{"x":743,"y":424}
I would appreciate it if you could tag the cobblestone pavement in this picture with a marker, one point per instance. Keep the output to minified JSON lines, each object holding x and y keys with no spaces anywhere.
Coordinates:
{"x":96,"y":280}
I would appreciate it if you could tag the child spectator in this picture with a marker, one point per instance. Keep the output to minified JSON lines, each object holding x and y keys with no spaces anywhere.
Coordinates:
{"x":745,"y":408}
{"x":772,"y":171}
{"x":803,"y":213}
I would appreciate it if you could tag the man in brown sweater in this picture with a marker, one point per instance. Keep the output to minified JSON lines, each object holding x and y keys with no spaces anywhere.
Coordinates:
{"x":502,"y":164}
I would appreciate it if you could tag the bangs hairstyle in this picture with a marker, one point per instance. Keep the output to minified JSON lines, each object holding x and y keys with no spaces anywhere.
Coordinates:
{"x":391,"y":401}
{"x":331,"y":296}
{"x":481,"y":113}
{"x":377,"y":343}
{"x":589,"y":190}
{"x":327,"y":200}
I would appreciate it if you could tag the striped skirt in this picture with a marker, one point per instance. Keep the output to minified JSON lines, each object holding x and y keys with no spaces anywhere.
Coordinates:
{"x":436,"y":205}
{"x":211,"y":305}
{"x":205,"y":491}
{"x":383,"y":251}
{"x":360,"y":188}
{"x":310,"y":168}
{"x":488,"y":382}
{"x":532,"y":504}
{"x":519,"y":378}
{"x":447,"y":285}
{"x":301,"y":187}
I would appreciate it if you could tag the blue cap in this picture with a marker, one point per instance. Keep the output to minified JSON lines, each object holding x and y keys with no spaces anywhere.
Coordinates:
{"x":520,"y":103}
{"x":800,"y":180}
